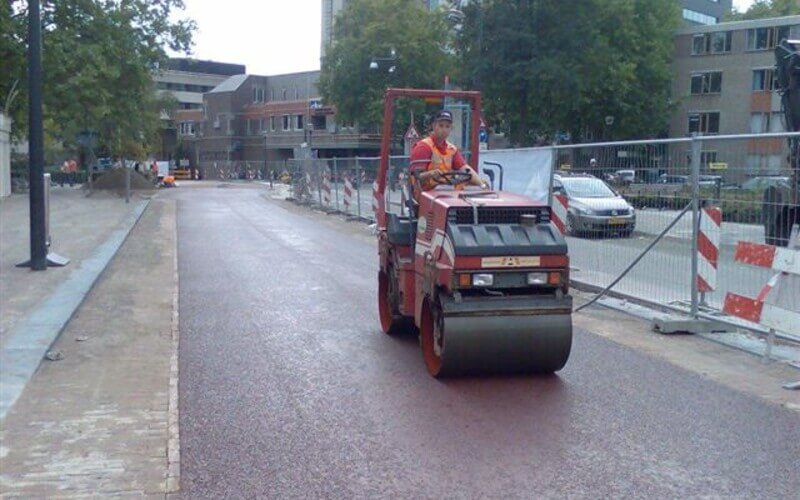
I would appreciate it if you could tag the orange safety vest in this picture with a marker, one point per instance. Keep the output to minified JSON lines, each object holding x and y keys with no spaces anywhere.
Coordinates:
{"x":443,"y":162}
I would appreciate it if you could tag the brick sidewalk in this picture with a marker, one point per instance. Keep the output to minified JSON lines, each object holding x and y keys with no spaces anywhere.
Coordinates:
{"x":78,"y":226}
{"x":98,"y":421}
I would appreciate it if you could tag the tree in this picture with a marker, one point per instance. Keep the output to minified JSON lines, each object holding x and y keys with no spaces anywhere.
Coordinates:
{"x":368,"y":29}
{"x":545,"y":69}
{"x":761,"y":9}
{"x":99,"y":57}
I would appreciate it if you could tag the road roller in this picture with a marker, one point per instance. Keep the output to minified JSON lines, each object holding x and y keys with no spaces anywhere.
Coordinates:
{"x":480,"y":275}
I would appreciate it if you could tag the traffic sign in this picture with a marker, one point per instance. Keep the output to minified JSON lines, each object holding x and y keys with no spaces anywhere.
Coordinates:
{"x":411,"y":133}
{"x":720,"y":165}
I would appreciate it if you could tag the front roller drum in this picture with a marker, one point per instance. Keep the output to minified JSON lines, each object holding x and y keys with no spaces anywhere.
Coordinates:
{"x":462,"y":345}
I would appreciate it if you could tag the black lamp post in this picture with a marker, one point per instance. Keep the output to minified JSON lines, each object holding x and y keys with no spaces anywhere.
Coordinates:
{"x":38,"y":260}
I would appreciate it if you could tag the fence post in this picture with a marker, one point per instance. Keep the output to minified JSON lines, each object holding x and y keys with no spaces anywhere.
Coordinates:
{"x":697,"y":148}
{"x":336,"y":182}
{"x":358,"y":191}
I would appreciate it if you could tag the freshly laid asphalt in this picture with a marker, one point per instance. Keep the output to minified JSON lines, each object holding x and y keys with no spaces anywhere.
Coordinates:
{"x":288,"y":389}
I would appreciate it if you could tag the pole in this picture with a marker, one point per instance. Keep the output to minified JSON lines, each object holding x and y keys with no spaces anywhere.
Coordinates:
{"x":36,"y":139}
{"x":697,"y":146}
{"x":358,"y":191}
{"x":127,"y":182}
{"x":336,"y":182}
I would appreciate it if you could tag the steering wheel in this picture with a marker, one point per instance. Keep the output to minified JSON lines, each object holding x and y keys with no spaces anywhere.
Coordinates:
{"x":455,"y":177}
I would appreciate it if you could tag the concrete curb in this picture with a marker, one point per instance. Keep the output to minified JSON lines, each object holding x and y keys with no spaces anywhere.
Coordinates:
{"x":32,"y":337}
{"x":173,"y":482}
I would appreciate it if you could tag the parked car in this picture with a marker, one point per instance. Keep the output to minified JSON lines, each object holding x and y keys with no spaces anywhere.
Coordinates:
{"x":761,"y":183}
{"x":593,"y":206}
{"x":102,"y":164}
{"x":673,"y":179}
{"x":626,"y":176}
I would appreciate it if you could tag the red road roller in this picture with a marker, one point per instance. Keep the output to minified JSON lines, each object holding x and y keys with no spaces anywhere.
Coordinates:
{"x":481,"y":274}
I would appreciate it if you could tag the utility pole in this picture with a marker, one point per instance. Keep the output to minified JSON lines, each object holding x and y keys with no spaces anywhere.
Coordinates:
{"x":38,"y":260}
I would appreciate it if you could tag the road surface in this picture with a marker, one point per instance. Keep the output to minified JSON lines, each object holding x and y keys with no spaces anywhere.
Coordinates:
{"x":289,"y":390}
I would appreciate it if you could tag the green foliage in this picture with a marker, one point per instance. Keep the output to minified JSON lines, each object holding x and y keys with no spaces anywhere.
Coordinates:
{"x":545,"y":69}
{"x":367,"y":29}
{"x":99,"y":57}
{"x":761,"y":9}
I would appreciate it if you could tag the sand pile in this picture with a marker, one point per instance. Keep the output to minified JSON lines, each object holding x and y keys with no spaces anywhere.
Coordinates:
{"x":115,"y":180}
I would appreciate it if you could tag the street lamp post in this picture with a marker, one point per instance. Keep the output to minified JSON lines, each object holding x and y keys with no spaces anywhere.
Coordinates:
{"x":38,"y":240}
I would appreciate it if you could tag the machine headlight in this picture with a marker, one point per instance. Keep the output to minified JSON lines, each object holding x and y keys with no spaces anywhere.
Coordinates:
{"x":482,"y":280}
{"x":585,"y":211}
{"x":537,"y":278}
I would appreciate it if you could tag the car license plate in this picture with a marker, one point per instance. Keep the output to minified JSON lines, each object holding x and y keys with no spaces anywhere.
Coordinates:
{"x":616,"y":220}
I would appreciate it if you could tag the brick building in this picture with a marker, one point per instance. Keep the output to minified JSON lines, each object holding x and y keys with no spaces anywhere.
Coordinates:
{"x":252,"y":118}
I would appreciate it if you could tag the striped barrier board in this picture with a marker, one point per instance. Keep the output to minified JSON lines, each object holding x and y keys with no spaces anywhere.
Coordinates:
{"x":376,"y":200}
{"x":559,"y":212}
{"x":708,"y":248}
{"x":326,"y":189}
{"x":778,"y":304}
{"x":348,"y":193}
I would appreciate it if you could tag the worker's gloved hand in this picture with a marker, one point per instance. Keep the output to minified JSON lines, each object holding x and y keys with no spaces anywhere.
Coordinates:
{"x":434,"y":174}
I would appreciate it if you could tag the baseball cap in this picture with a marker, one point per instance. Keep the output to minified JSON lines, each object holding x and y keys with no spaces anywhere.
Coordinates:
{"x":443,"y":115}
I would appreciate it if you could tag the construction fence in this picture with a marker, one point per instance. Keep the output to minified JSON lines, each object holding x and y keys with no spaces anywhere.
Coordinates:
{"x":676,"y":207}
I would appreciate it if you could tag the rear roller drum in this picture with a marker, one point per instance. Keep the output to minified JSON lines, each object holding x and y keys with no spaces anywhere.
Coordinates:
{"x":392,"y":322}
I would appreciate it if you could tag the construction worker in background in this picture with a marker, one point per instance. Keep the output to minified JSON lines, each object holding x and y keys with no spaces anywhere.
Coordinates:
{"x":72,"y":171}
{"x":443,"y":155}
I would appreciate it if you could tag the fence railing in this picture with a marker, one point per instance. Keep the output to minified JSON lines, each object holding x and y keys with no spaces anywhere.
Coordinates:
{"x":723,"y":180}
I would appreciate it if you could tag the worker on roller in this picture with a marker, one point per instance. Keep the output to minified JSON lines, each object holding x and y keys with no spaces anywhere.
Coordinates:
{"x":444,"y":157}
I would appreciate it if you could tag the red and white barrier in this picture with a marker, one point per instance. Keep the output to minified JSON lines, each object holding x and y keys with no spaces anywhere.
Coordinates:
{"x":708,"y":248}
{"x":348,"y":193}
{"x":376,"y":200}
{"x":326,"y":189}
{"x":559,"y":212}
{"x":778,"y":305}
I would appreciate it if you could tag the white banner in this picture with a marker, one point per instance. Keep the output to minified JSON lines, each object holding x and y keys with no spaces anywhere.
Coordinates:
{"x":526,"y":171}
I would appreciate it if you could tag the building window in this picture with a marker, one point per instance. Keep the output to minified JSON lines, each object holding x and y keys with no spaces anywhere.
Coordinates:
{"x":759,"y":123}
{"x":298,"y":122}
{"x":776,"y":123}
{"x":262,"y":125}
{"x":318,"y":122}
{"x":186,"y":128}
{"x":272,"y":124}
{"x":271,"y":94}
{"x":296,"y":94}
{"x":230,"y":126}
{"x":706,"y":83}
{"x":707,"y":157}
{"x":763,"y":80}
{"x":704,"y":123}
{"x":283,"y":95}
{"x":258,"y":94}
{"x":699,"y":17}
{"x":712,"y":43}
{"x":766,"y":38}
{"x":286,"y":123}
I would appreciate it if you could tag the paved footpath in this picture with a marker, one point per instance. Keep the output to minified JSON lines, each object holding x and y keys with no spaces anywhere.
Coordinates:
{"x":99,"y":421}
{"x":78,"y":225}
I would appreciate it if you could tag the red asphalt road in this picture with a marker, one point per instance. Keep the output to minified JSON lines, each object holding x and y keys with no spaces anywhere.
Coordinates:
{"x":289,"y":390}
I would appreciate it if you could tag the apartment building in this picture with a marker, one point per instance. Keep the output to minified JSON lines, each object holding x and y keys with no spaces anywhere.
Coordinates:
{"x":724,"y":84}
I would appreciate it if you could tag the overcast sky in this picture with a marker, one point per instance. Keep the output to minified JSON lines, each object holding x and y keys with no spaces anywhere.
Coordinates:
{"x":268,"y":36}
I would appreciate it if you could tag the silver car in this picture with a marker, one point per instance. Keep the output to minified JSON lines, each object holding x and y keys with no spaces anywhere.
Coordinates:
{"x":594,"y":207}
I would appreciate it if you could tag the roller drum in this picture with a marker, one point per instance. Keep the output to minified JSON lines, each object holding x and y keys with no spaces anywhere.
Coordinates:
{"x":515,"y":337}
